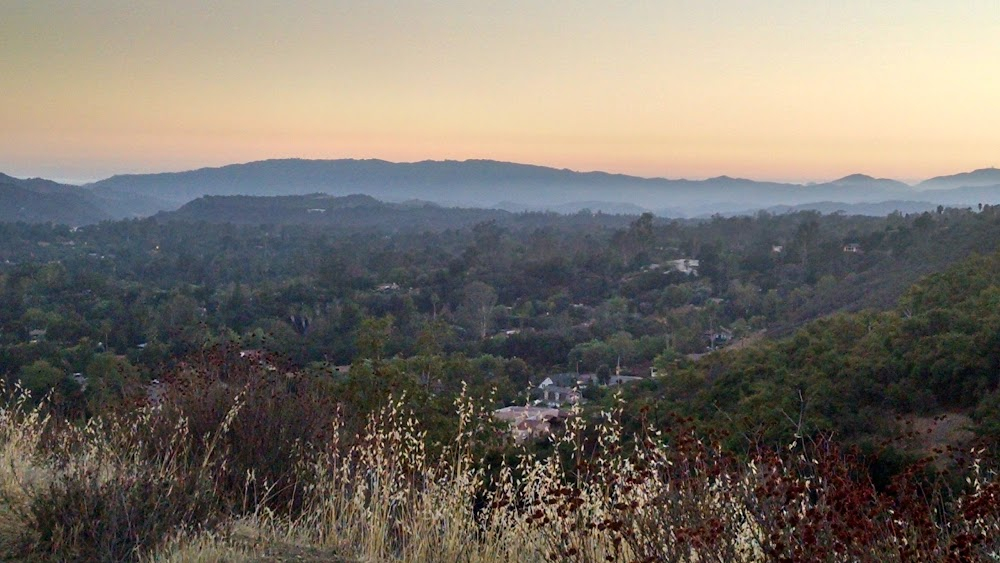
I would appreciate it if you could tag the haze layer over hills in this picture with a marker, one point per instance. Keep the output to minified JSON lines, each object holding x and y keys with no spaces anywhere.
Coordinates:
{"x":480,"y":184}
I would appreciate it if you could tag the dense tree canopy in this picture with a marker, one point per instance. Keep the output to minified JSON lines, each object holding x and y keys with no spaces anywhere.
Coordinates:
{"x":95,"y":313}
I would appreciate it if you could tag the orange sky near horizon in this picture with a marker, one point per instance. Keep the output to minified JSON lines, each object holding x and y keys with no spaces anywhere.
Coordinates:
{"x":767,"y":90}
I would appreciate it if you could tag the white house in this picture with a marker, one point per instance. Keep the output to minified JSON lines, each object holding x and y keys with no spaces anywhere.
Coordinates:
{"x":685,"y":266}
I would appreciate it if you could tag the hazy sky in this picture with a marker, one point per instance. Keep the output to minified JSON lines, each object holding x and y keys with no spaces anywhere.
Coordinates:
{"x":785,"y":90}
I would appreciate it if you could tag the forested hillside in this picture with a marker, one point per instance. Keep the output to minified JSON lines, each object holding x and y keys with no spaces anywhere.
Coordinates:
{"x":935,"y":353}
{"x":558,"y":292}
{"x":42,"y":201}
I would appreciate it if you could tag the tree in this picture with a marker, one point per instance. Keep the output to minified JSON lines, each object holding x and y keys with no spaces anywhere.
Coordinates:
{"x":476,"y":309}
{"x":373,"y":336}
{"x":806,"y":236}
{"x":109,"y":377}
{"x":637,"y":239}
{"x":180,"y":322}
{"x":432,"y":337}
{"x":603,"y":374}
{"x":40,"y":377}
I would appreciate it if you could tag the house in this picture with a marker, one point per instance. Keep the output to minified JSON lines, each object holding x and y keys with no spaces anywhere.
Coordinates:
{"x":528,"y":422}
{"x":718,"y":337}
{"x":777,"y":249}
{"x":565,"y":379}
{"x":258,"y":357}
{"x":685,"y":266}
{"x":387,"y":288}
{"x":507,"y":332}
{"x":515,"y":413}
{"x":155,"y":391}
{"x":36,"y":335}
{"x":555,"y":396}
{"x":253,"y":355}
{"x":853,"y":248}
{"x":80,"y":380}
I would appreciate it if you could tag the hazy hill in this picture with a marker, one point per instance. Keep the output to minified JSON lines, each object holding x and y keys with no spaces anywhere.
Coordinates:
{"x":500,"y":185}
{"x":968,"y":196}
{"x":355,"y":212}
{"x":36,"y":200}
{"x":977,"y":178}
{"x":878,"y":209}
{"x":482,"y":183}
{"x":365,"y":213}
{"x":610,"y":207}
{"x":860,"y":186}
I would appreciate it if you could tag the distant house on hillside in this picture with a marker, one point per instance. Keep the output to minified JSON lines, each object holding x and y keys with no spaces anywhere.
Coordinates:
{"x":685,"y":266}
{"x":530,"y":422}
{"x":569,"y":380}
{"x":80,"y":380}
{"x":555,"y":396}
{"x":253,"y":355}
{"x":155,"y":392}
{"x":853,"y":248}
{"x":718,"y":337}
{"x":565,"y":379}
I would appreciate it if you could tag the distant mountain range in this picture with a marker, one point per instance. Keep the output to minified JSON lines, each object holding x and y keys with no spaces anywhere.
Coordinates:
{"x":878,"y":209}
{"x":984,"y":177}
{"x":472,"y":183}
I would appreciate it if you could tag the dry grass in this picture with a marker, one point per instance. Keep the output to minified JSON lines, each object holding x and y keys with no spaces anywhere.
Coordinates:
{"x":145,"y":487}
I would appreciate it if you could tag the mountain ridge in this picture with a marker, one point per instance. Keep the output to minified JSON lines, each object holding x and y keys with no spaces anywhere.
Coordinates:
{"x":485,"y":183}
{"x":982,"y":177}
{"x":42,"y":201}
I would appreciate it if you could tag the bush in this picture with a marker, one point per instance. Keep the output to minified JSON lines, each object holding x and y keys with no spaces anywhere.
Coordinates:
{"x":85,"y":515}
{"x":282,"y":417}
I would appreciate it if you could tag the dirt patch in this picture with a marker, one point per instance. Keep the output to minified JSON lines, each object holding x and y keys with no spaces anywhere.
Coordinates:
{"x":937,"y":436}
{"x":747,"y":341}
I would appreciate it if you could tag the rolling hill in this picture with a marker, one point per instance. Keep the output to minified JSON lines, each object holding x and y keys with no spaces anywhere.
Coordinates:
{"x":42,"y":201}
{"x":484,"y":183}
{"x":476,"y":184}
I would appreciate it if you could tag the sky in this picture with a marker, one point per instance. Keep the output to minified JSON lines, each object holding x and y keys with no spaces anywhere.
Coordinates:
{"x":771,"y":90}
